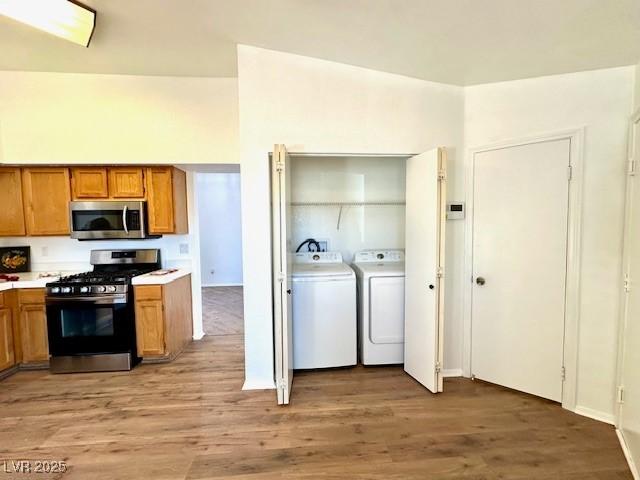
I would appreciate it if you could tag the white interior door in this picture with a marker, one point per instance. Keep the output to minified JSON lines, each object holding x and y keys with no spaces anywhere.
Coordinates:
{"x":629,"y":419}
{"x":520,"y":211}
{"x":424,"y":286}
{"x":282,"y":268}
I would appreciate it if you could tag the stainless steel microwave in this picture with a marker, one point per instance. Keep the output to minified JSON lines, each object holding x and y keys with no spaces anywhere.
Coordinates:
{"x":107,"y":220}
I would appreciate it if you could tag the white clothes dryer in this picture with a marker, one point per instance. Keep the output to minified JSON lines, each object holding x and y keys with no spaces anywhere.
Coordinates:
{"x":381,"y":277}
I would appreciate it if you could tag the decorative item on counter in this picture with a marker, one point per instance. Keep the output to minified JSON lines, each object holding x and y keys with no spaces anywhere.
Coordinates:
{"x":165,"y":271}
{"x":15,"y":259}
{"x":9,"y":278}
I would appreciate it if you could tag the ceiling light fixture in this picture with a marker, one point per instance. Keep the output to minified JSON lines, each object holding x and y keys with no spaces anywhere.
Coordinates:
{"x":63,"y":18}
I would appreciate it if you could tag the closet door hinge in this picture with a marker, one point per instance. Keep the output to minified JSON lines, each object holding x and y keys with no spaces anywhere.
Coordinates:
{"x":279,"y":166}
{"x":632,"y":167}
{"x":627,"y":283}
{"x":439,"y":272}
{"x":281,"y":383}
{"x":620,"y":394}
{"x":442,"y":176}
{"x":570,"y":172}
{"x":280,"y":277}
{"x":438,"y":367}
{"x":563,"y":373}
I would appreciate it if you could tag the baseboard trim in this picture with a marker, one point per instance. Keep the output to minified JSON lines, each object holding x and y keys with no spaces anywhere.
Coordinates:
{"x":595,"y":414}
{"x":198,"y":335}
{"x":627,"y":454}
{"x":452,"y":372}
{"x":208,"y":285}
{"x":258,"y":384}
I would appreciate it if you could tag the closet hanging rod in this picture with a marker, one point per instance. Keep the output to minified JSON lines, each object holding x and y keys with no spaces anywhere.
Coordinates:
{"x":345,"y":204}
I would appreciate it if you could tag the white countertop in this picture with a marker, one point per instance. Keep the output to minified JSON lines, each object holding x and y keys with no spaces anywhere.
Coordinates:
{"x":32,"y":280}
{"x":150,"y":279}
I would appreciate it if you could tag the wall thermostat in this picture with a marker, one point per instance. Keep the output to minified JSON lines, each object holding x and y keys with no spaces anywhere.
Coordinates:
{"x":455,"y":210}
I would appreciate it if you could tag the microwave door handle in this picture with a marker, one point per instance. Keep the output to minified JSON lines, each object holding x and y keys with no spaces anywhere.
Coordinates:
{"x":124,"y":220}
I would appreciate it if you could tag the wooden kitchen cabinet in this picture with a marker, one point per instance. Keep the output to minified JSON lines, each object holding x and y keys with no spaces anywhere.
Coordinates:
{"x":12,"y":218}
{"x":167,"y":200}
{"x":33,"y":325}
{"x":46,"y":193}
{"x":89,"y":182}
{"x":163,"y":319}
{"x":126,"y":182}
{"x":7,"y":351}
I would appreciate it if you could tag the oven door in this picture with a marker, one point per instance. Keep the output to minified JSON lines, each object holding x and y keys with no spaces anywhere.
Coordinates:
{"x":90,"y":325}
{"x":106,"y":220}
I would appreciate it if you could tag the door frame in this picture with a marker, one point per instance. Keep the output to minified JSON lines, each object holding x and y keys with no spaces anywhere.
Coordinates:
{"x":632,"y":170}
{"x":572,"y":289}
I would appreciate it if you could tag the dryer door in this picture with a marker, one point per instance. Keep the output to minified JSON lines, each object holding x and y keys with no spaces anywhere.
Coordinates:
{"x":424,"y":259}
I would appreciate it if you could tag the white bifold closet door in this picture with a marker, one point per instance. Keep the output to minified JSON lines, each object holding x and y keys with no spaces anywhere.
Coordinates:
{"x":424,"y":268}
{"x":629,"y":415}
{"x":424,"y":286}
{"x":282,"y":269}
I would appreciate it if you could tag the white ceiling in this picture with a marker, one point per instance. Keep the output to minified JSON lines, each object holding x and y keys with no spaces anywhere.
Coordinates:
{"x":455,"y":41}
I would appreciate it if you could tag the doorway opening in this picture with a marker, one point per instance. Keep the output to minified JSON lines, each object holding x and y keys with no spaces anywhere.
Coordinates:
{"x":220,"y":251}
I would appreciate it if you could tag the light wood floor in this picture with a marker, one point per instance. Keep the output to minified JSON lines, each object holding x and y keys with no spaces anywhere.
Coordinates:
{"x":222,"y":310}
{"x":189,"y":419}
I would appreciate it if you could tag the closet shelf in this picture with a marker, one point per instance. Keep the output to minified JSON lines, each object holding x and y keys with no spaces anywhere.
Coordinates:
{"x":345,"y":204}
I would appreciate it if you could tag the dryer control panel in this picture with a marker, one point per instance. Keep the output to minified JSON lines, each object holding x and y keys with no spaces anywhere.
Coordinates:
{"x":372,"y":256}
{"x":318,"y":257}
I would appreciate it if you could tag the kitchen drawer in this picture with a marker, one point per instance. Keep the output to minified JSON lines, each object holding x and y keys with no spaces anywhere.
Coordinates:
{"x":148,"y":292}
{"x":2,"y":300}
{"x":31,"y":295}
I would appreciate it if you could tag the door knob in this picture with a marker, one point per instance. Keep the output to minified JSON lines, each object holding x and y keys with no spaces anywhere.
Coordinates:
{"x":480,"y":281}
{"x":289,"y":291}
{"x":431,"y":286}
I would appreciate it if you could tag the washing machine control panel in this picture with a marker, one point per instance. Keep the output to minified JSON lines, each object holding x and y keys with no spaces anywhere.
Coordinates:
{"x":318,"y":257}
{"x":371,"y":256}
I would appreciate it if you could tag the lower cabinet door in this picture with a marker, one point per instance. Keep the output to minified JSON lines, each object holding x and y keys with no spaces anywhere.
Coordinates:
{"x":150,"y":328}
{"x":33,"y":326}
{"x":7,"y":356}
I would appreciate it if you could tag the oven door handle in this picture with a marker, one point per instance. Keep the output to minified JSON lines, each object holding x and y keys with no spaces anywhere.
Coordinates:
{"x":96,"y":300}
{"x":124,"y":220}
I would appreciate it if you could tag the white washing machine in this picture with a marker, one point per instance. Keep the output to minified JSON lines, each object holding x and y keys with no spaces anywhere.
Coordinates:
{"x":380,"y":306}
{"x":324,"y":311}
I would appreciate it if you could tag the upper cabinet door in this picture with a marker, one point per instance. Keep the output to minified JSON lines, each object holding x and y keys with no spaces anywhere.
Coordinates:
{"x":126,"y":182}
{"x":12,"y":218}
{"x":424,"y":282}
{"x":46,"y":193}
{"x":167,"y":200}
{"x":89,"y":182}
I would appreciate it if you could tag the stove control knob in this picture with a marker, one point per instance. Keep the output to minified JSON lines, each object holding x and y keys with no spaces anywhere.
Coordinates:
{"x":66,"y":290}
{"x":111,"y":289}
{"x":85,"y":289}
{"x":100,"y":289}
{"x":55,"y":289}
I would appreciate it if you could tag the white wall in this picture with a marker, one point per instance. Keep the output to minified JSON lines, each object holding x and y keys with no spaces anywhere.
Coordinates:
{"x":349,"y":179}
{"x":318,"y":106}
{"x":220,"y":228}
{"x":601,"y":101}
{"x":85,"y":118}
{"x":636,"y":95}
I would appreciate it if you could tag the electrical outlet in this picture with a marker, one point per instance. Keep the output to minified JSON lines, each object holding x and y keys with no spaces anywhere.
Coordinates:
{"x":184,"y":249}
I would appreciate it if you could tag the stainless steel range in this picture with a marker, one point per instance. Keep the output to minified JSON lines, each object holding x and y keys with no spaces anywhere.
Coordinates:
{"x":91,"y":315}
